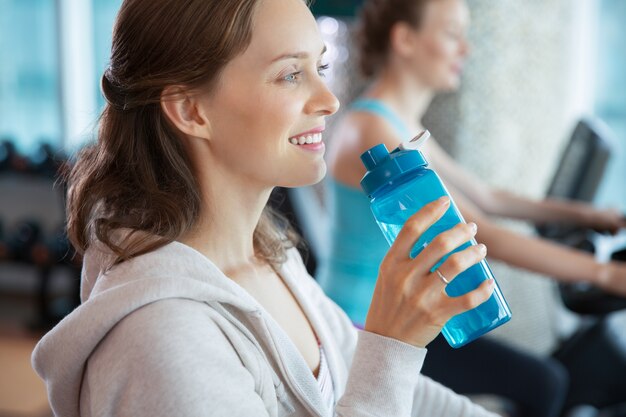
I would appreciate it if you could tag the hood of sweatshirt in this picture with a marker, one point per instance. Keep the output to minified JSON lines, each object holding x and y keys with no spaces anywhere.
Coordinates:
{"x":173,"y":271}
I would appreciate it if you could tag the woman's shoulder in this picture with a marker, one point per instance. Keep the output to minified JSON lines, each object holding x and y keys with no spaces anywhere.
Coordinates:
{"x":163,"y":327}
{"x":362,"y":128}
{"x":355,"y":133}
{"x":170,"y":340}
{"x":172,"y":354}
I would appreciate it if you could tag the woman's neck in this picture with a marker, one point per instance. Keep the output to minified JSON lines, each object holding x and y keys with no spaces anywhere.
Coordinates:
{"x":403,"y":93}
{"x":224,"y":233}
{"x":230,"y":211}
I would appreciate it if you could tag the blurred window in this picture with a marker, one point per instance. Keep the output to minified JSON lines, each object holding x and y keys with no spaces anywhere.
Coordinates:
{"x":610,"y":94}
{"x":104,"y":12}
{"x":30,"y":110}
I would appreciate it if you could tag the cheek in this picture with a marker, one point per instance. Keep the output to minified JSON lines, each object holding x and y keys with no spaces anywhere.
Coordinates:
{"x":440,"y":50}
{"x":254,"y":133}
{"x":258,"y":117}
{"x":434,"y":64}
{"x":274,"y":112}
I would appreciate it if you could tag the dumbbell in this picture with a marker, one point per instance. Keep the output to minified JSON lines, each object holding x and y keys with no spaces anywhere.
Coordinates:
{"x":51,"y":250}
{"x":4,"y":247}
{"x":46,"y":161}
{"x":25,"y":234}
{"x":7,"y":150}
{"x":10,"y":159}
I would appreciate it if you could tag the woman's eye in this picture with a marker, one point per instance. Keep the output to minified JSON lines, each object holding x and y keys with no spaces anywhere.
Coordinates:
{"x":296,"y":76}
{"x":321,"y":70}
{"x":293,"y":77}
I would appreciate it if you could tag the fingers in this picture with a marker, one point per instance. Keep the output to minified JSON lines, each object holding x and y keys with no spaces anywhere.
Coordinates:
{"x":471,"y":300}
{"x":415,"y":226}
{"x":611,"y":220}
{"x":460,"y":261}
{"x":443,"y":244}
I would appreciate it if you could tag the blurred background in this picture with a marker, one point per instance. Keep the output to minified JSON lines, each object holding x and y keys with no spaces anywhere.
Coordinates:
{"x":536,"y":68}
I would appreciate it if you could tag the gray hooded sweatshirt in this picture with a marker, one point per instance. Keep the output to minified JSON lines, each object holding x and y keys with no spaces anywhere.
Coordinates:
{"x":168,"y":334}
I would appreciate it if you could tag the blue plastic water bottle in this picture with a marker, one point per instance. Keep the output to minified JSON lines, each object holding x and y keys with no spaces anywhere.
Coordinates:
{"x":398,"y":185}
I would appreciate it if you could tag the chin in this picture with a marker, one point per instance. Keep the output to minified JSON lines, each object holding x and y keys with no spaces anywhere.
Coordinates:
{"x":450,"y":85}
{"x":318,"y":176}
{"x":312,"y":176}
{"x":455,"y":81}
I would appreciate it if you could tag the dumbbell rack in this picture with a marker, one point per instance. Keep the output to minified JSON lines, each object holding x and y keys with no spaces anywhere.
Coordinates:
{"x":24,"y":239}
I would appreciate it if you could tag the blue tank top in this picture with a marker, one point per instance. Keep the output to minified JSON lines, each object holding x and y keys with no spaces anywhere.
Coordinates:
{"x":349,"y":271}
{"x":379,"y":108}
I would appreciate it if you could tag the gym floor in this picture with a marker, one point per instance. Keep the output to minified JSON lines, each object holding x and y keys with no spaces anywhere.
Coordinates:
{"x":22,"y":392}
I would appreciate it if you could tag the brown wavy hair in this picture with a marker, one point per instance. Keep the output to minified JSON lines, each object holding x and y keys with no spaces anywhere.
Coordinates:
{"x":376,"y":18}
{"x":137,"y":176}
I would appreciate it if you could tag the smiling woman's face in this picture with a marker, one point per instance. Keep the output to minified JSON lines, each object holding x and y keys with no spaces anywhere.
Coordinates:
{"x":268,"y":111}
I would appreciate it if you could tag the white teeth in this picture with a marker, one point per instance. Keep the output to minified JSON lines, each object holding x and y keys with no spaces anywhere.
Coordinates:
{"x":306,"y":139}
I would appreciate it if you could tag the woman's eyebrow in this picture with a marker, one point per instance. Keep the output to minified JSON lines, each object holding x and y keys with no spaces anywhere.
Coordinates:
{"x":296,"y":55}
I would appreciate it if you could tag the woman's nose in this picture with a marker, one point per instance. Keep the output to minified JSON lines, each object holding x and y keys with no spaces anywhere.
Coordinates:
{"x":322,"y":101}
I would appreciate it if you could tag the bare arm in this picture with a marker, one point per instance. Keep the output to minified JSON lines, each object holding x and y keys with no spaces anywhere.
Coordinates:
{"x":504,"y":203}
{"x":543,"y":256}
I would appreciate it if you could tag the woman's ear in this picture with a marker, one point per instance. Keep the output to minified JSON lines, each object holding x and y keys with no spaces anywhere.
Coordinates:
{"x":402,"y":39}
{"x":183,"y":110}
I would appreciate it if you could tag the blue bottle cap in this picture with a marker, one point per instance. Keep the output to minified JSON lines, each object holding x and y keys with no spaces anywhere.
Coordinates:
{"x":385,"y":168}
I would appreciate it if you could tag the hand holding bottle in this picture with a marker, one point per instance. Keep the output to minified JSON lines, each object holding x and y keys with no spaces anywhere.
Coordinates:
{"x":399,"y":184}
{"x":410,"y":303}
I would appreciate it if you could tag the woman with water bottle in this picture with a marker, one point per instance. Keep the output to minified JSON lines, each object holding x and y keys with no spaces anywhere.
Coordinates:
{"x":411,"y":50}
{"x":194,"y":300}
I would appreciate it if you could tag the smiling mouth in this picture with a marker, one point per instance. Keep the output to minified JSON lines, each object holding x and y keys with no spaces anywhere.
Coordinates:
{"x":306,"y":139}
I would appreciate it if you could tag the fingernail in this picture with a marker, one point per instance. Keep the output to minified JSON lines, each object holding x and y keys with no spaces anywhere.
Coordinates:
{"x":445,"y":200}
{"x":482,"y":248}
{"x":473,"y":226}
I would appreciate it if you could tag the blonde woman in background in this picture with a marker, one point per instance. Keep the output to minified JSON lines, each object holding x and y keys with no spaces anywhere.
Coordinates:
{"x":411,"y":50}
